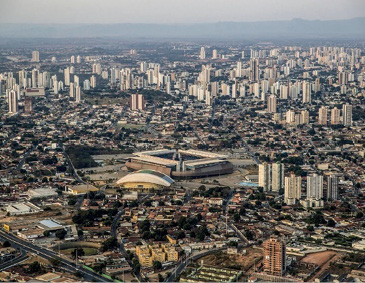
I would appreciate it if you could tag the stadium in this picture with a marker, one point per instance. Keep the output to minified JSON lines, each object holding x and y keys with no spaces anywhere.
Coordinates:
{"x":181,"y":164}
{"x":145,"y":180}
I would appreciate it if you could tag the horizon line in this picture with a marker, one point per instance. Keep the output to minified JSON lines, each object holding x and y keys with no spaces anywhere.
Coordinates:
{"x":179,"y":23}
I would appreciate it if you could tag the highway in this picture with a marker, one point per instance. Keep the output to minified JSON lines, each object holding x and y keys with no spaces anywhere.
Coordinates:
{"x":23,"y":256}
{"x":68,"y":265}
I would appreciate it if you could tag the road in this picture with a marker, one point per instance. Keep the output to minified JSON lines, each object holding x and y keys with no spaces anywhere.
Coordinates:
{"x":115,"y":223}
{"x":74,"y":173}
{"x":15,"y":261}
{"x":186,"y":262}
{"x":25,"y":156}
{"x":68,"y":265}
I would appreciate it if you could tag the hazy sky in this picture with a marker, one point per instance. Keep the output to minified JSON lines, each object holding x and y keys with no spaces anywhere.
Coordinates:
{"x":175,"y":11}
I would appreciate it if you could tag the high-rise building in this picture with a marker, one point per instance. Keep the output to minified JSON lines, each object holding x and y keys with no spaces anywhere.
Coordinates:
{"x":86,"y":85}
{"x":66,"y":73}
{"x":317,"y":85}
{"x":215,"y":54}
{"x":335,"y":116}
{"x":293,"y":189}
{"x":347,"y":115}
{"x":277,"y":180}
{"x":271,"y":104}
{"x":143,"y":67}
{"x":274,"y":256}
{"x":13,"y":101}
{"x":35,"y":75}
{"x":78,"y":59}
{"x":264,"y":176}
{"x":254,"y":69}
{"x":307,"y":92}
{"x":72,"y":59}
{"x":78,"y":94}
{"x":315,"y":187}
{"x":239,"y":69}
{"x":76,"y":80}
{"x":202,"y":53}
{"x":72,"y":90}
{"x":322,"y":115}
{"x":290,"y":116}
{"x":137,"y":102}
{"x":332,"y":187}
{"x":35,"y":56}
{"x":28,"y":107}
{"x":93,"y":81}
{"x":305,"y":116}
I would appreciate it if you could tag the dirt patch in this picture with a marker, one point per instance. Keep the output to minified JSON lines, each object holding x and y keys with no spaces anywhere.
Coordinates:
{"x":234,"y":261}
{"x":319,"y":258}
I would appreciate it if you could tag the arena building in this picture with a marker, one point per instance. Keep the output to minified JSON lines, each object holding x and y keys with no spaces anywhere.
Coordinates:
{"x":181,"y":163}
{"x":145,"y":180}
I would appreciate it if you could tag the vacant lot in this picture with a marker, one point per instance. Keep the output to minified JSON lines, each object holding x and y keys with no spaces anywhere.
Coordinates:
{"x":238,"y":261}
{"x":319,"y":258}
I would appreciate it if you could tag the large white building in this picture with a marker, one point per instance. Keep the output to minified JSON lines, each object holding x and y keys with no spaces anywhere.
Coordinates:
{"x":315,"y":187}
{"x":271,"y":104}
{"x":347,"y":115}
{"x":322,"y":115}
{"x":35,"y":56}
{"x":137,"y":102}
{"x":293,"y":189}
{"x":277,"y":174}
{"x":332,"y":187}
{"x":264,"y":176}
{"x":335,"y":116}
{"x":307,"y":92}
{"x":13,"y":101}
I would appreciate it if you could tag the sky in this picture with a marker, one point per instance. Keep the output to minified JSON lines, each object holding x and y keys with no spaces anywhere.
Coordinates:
{"x":175,"y":11}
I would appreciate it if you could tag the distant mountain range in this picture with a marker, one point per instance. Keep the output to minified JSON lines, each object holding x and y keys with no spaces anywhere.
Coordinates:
{"x":296,"y":28}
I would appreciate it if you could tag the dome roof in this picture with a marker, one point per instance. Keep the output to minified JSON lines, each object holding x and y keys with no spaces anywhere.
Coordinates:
{"x":147,"y":176}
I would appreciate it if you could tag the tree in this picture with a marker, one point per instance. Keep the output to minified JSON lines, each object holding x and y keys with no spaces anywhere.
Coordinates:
{"x":34,"y":267}
{"x":236,"y":217}
{"x":6,"y":244}
{"x":310,"y":228}
{"x":359,"y":214}
{"x":46,"y":233}
{"x":331,"y":223}
{"x":109,"y":244}
{"x":60,"y":234}
{"x":77,"y":252}
{"x":181,"y":235}
{"x":250,"y":235}
{"x":160,"y":278}
{"x":55,"y":261}
{"x":157,"y":265}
